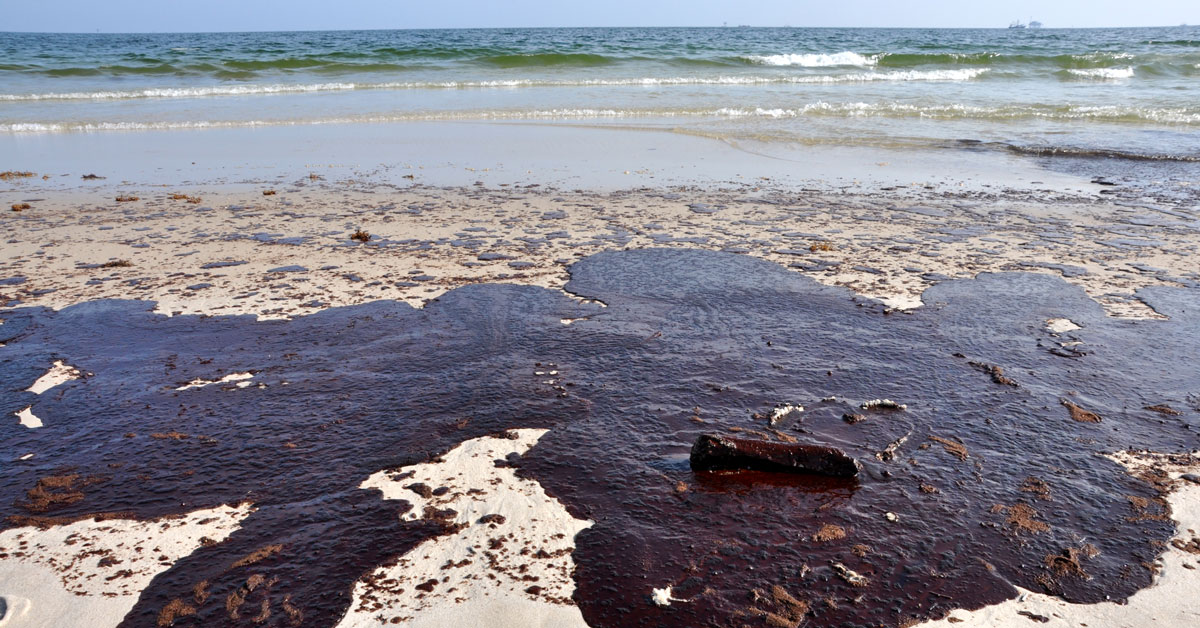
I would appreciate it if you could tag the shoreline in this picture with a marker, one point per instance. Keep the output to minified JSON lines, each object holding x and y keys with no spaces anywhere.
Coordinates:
{"x":238,"y":251}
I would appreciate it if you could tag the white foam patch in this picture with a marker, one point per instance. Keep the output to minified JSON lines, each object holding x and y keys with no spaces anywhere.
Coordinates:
{"x":1104,"y":74}
{"x":232,"y":377}
{"x":57,"y":374}
{"x":482,"y":575}
{"x":28,"y":418}
{"x":90,"y":573}
{"x":1169,"y":602}
{"x":815,"y":60}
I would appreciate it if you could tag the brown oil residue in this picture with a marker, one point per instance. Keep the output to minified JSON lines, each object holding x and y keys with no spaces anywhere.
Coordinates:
{"x":686,"y":335}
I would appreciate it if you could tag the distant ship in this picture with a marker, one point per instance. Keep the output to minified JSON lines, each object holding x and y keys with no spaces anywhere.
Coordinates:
{"x":1017,"y":25}
{"x":1031,"y":24}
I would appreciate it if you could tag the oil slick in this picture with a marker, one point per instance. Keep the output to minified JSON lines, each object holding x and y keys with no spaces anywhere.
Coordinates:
{"x":1177,"y":571}
{"x":683,"y":337}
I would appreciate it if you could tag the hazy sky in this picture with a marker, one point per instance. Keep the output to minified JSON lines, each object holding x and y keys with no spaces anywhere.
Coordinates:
{"x":259,"y":15}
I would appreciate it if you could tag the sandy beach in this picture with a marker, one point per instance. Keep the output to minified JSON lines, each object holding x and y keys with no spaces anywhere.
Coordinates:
{"x":283,"y":249}
{"x":286,"y":340}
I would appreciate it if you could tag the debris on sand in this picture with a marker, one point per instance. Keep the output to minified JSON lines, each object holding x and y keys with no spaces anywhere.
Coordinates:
{"x":1061,"y":325}
{"x":120,"y":263}
{"x":268,"y":192}
{"x":850,"y":576}
{"x":92,"y":177}
{"x":662,"y":597}
{"x":21,"y":206}
{"x":889,"y":453}
{"x":783,"y":410}
{"x":15,"y":174}
{"x":778,"y":609}
{"x":829,"y":532}
{"x":711,"y":452}
{"x":883,"y":404}
{"x":1163,"y":408}
{"x":777,"y":413}
{"x":996,"y":372}
{"x":258,"y":555}
{"x":174,"y":609}
{"x":1021,"y":518}
{"x":952,"y":447}
{"x":852,"y":418}
{"x":1037,"y":486}
{"x":56,"y":491}
{"x":1067,"y":563}
{"x":1079,"y":414}
{"x":360,"y":236}
{"x":824,"y":245}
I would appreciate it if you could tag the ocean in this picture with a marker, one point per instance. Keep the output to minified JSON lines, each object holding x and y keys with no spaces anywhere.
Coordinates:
{"x":1112,"y":93}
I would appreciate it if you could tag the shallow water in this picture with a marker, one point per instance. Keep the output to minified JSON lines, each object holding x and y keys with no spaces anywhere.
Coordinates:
{"x":1124,"y":90}
{"x":689,"y":342}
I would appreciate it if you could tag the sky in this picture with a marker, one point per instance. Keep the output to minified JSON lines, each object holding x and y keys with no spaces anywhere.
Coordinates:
{"x":266,"y":15}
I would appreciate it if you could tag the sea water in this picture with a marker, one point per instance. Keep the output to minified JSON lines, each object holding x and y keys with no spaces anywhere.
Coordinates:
{"x":1110,"y":93}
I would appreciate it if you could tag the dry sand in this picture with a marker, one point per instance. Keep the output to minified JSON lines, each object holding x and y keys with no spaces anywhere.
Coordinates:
{"x":90,"y":573}
{"x":288,"y":254}
{"x":57,"y":374}
{"x":509,"y":565}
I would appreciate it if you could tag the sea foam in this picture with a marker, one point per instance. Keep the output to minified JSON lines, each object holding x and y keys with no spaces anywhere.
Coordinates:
{"x":815,"y":60}
{"x":286,"y":88}
{"x":1104,"y":74}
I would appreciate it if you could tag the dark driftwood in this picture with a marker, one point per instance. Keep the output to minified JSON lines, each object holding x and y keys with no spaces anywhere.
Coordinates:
{"x":712,"y":452}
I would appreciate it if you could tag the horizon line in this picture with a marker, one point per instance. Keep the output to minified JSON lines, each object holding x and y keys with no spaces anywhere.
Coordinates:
{"x":466,"y":28}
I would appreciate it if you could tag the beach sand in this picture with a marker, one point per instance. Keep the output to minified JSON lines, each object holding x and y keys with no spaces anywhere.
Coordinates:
{"x":90,"y":573}
{"x":509,"y":564}
{"x":291,"y":253}
{"x":280,"y":246}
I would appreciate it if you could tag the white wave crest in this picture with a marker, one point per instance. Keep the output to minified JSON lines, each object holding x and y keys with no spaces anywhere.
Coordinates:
{"x":815,"y":60}
{"x":250,"y":90}
{"x":1104,"y":74}
{"x":1189,"y":116}
{"x":183,"y":92}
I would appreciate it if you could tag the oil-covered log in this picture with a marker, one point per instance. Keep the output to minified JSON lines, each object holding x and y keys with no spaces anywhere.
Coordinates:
{"x":712,"y":452}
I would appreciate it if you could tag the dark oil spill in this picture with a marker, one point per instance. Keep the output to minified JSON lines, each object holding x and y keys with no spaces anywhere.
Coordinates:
{"x":990,"y":484}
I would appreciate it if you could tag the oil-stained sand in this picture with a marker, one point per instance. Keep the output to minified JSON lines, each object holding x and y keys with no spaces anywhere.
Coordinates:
{"x":689,"y":342}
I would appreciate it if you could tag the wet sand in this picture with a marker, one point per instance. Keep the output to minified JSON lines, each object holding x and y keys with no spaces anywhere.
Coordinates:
{"x":167,"y":408}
